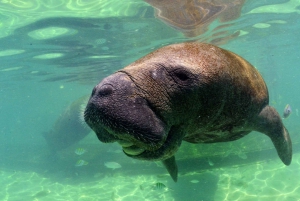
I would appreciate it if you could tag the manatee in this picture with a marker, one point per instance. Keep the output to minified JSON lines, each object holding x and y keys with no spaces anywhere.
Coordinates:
{"x":69,"y":128}
{"x":192,"y":92}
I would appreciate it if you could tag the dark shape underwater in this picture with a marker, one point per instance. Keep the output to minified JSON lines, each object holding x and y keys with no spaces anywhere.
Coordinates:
{"x":68,"y":128}
{"x":191,"y":92}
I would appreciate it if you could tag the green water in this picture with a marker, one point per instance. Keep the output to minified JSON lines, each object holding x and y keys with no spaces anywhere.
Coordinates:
{"x":54,"y":52}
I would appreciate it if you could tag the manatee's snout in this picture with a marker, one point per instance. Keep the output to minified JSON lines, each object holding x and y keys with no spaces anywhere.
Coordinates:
{"x":117,"y":111}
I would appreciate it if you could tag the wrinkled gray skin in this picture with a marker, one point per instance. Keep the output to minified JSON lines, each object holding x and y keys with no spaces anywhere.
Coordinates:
{"x":191,"y":91}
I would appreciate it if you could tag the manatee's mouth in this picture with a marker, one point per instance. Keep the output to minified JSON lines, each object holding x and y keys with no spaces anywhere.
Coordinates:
{"x":135,"y":148}
{"x":129,"y":148}
{"x":132,"y":145}
{"x":165,"y":151}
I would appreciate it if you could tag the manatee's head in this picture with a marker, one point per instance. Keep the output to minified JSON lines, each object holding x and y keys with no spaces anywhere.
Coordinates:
{"x":118,"y":112}
{"x":146,"y":106}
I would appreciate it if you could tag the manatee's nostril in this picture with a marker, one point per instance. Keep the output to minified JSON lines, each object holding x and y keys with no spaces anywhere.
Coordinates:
{"x":105,"y":90}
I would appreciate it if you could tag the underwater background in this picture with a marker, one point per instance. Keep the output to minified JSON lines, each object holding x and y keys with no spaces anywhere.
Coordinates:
{"x":53,"y":52}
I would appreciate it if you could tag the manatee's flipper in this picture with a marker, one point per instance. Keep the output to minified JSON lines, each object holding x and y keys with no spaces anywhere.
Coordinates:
{"x":171,"y":166}
{"x":269,"y":123}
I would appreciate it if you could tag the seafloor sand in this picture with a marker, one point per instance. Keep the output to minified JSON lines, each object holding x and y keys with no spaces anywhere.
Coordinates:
{"x":25,"y":186}
{"x":270,"y":181}
{"x":266,"y":181}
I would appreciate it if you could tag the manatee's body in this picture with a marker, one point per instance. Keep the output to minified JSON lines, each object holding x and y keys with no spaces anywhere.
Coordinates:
{"x":194,"y":92}
{"x":68,"y":128}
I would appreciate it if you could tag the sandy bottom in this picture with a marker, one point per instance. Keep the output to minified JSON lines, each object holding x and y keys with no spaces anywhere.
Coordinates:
{"x":266,"y":181}
{"x":271,"y":181}
{"x":31,"y":186}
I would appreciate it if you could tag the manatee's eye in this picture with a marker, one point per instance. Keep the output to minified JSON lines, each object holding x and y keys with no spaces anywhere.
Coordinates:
{"x":181,"y":75}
